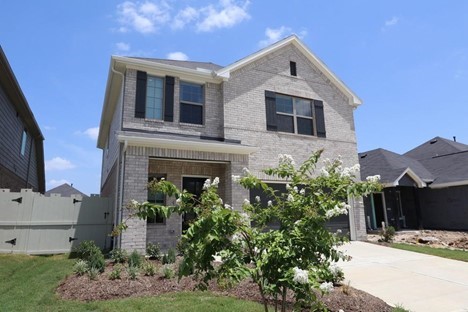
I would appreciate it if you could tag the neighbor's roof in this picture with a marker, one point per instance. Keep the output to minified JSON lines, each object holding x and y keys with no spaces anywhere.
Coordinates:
{"x":200,"y":71}
{"x":65,"y":190}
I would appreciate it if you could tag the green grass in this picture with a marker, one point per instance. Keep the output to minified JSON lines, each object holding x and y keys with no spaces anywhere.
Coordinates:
{"x":440,"y":252}
{"x":28,"y":283}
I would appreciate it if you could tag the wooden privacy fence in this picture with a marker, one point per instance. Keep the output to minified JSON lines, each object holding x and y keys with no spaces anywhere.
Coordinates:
{"x":31,"y":223}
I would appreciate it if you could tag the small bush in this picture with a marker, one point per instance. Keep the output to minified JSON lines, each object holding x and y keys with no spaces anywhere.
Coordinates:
{"x":170,"y":257}
{"x":96,"y":261}
{"x":93,"y":273}
{"x":168,"y":272}
{"x":148,"y":268}
{"x":119,"y":255}
{"x":153,"y":251}
{"x":133,"y":272}
{"x":80,"y":267}
{"x":337,"y":274}
{"x":387,"y":234}
{"x":134,"y":260}
{"x":116,"y":272}
{"x":85,"y":249}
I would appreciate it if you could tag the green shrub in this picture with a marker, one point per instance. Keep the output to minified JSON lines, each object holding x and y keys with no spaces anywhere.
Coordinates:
{"x":153,"y":251}
{"x":133,"y":272}
{"x":85,"y":249}
{"x":168,"y":272}
{"x":96,"y":261}
{"x":80,"y":267}
{"x":134,"y":260}
{"x":148,"y":268}
{"x":116,"y":272}
{"x":93,"y":273}
{"x":119,"y":255}
{"x":387,"y":234}
{"x":170,"y":257}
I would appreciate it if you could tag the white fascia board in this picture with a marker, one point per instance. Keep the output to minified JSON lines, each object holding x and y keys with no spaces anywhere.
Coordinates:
{"x":449,"y":184}
{"x":187,"y":145}
{"x":159,"y":69}
{"x":225,"y":72}
{"x":413,"y":175}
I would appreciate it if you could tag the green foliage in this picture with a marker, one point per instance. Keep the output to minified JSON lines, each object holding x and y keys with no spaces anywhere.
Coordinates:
{"x":116,"y":272}
{"x":119,"y":255}
{"x":85,"y":249}
{"x":80,"y":267}
{"x":93,"y":273}
{"x":168,"y":272}
{"x":148,"y":268}
{"x":171,"y":255}
{"x":96,"y":261}
{"x":134,"y":260}
{"x":153,"y":251}
{"x":133,"y":272}
{"x":387,"y":234}
{"x":296,"y":257}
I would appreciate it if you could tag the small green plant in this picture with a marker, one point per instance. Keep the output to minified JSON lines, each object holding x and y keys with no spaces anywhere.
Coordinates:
{"x":85,"y":249}
{"x":170,"y":257}
{"x":399,"y":308}
{"x":153,"y":251}
{"x":148,"y":268}
{"x":134,"y":260}
{"x":80,"y":267}
{"x":96,"y":261}
{"x":168,"y":272}
{"x":165,"y":259}
{"x":93,"y":273}
{"x":116,"y":272}
{"x":387,"y":234}
{"x":133,"y":272}
{"x":119,"y":255}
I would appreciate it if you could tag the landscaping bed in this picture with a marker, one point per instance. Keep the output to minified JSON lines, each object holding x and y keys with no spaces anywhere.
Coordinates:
{"x":103,"y":288}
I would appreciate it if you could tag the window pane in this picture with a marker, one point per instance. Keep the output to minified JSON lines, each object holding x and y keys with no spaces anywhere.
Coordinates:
{"x":305,"y":126}
{"x":154,"y":96}
{"x":284,"y":104}
{"x":285,"y":123}
{"x":303,"y":107}
{"x":191,"y":113}
{"x":191,"y":92}
{"x":24,"y":140}
{"x":156,"y":198}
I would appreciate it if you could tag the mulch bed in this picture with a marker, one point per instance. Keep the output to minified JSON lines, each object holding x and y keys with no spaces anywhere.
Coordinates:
{"x":83,"y":289}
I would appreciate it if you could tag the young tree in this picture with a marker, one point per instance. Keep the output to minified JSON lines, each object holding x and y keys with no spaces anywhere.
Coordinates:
{"x":297,"y":256}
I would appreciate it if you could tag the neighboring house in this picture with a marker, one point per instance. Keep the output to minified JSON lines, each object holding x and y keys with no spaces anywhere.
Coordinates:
{"x":188,"y":121}
{"x":426,"y":187}
{"x":21,"y":140}
{"x":65,"y":190}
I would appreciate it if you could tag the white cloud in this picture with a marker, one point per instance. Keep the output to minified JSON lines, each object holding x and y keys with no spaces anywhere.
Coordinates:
{"x":58,"y":163}
{"x":122,"y":46}
{"x":143,"y":17}
{"x":391,"y":22}
{"x":274,"y":34}
{"x":179,"y":56}
{"x":184,"y":17}
{"x":53,"y":183}
{"x":49,"y":128}
{"x":92,"y":133}
{"x":226,"y":14}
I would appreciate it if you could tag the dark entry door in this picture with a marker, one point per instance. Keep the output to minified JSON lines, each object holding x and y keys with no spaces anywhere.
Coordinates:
{"x":195,"y":187}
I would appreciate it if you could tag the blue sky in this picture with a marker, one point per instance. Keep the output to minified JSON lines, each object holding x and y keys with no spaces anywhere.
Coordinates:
{"x":407,"y":60}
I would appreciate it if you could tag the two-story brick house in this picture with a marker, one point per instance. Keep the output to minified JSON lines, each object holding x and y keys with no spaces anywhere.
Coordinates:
{"x":187,"y":121}
{"x":21,"y":139}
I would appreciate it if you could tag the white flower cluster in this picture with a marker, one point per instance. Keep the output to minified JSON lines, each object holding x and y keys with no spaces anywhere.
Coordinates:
{"x":228,"y":206}
{"x":324,"y":172}
{"x":246,"y":171}
{"x":257,"y":199}
{"x":335,"y":270}
{"x":134,"y":203}
{"x":286,"y":159}
{"x":290,"y":198}
{"x":208,"y":183}
{"x":236,"y":238}
{"x":375,"y":178}
{"x":246,"y":201}
{"x":245,"y":217}
{"x":270,"y":203}
{"x":326,"y":287}
{"x":300,"y":276}
{"x":178,"y":201}
{"x":347,"y":172}
{"x":340,"y":209}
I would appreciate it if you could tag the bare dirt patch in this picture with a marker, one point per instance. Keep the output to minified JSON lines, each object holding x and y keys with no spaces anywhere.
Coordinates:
{"x":433,"y":238}
{"x":103,"y":288}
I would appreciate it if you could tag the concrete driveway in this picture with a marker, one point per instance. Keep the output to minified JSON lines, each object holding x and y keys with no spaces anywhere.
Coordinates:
{"x":416,"y":281}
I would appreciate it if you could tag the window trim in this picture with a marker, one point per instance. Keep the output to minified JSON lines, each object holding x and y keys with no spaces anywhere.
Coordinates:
{"x":295,"y":115}
{"x":163,"y":98}
{"x":181,"y":101}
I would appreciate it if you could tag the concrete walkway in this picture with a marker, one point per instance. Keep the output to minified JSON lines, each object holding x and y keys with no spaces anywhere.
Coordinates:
{"x":416,"y":281}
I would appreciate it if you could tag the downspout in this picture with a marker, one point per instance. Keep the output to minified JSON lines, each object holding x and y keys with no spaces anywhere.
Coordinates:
{"x":121,"y":188}
{"x":29,"y":162}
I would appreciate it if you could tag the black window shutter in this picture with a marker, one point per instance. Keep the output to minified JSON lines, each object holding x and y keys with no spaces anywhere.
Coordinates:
{"x":169,"y":99}
{"x":319,"y":119}
{"x":270,"y":103}
{"x":140,"y":97}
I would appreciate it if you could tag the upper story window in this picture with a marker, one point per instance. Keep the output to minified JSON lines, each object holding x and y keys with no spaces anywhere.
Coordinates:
{"x":154,"y":98}
{"x":291,"y":114}
{"x":292,"y":68}
{"x":192,"y":100}
{"x":24,"y":140}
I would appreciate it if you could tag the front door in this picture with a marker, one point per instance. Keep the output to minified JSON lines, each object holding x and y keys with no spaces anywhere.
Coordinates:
{"x":195,"y":187}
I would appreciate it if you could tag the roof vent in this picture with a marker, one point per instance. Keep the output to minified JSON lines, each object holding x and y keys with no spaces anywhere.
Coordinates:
{"x":363,"y":155}
{"x":433,"y":141}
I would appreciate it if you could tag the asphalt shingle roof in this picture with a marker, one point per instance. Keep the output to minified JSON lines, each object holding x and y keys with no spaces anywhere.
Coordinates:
{"x":65,"y":190}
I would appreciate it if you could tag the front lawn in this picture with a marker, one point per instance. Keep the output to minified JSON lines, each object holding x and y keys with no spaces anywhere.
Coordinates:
{"x":440,"y":252}
{"x":29,"y":283}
